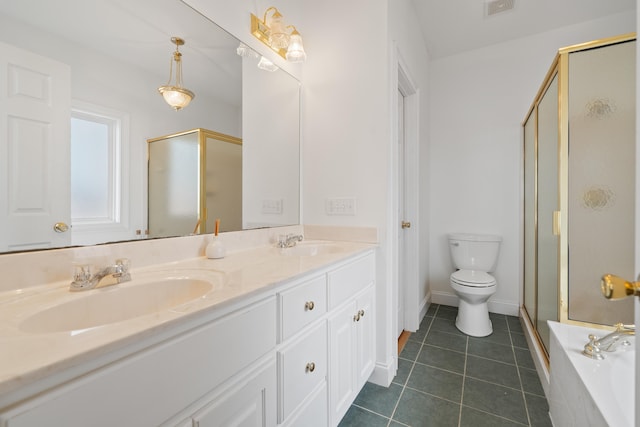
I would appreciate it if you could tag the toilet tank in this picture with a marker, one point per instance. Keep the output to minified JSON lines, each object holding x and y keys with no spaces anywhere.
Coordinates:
{"x":474,"y":251}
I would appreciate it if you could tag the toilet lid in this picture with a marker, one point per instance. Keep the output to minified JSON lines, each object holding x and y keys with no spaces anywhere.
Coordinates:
{"x":473,"y":278}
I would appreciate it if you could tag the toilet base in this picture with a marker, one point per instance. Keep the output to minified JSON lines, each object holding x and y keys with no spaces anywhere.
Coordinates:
{"x":473,"y":319}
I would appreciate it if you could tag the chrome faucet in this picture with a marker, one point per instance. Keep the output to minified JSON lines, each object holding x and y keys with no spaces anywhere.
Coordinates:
{"x":84,"y":279}
{"x":610,"y":342}
{"x":289,"y":240}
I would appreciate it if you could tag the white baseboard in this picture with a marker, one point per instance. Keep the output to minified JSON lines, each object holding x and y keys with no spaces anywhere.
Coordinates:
{"x":495,"y":306}
{"x":424,"y":305}
{"x":383,"y":374}
{"x":444,"y":298}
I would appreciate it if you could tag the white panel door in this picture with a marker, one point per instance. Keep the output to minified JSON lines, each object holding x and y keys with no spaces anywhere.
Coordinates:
{"x":35,"y":98}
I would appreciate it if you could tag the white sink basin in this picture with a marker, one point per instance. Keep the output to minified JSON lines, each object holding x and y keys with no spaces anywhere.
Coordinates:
{"x":311,"y":249}
{"x":110,"y":304}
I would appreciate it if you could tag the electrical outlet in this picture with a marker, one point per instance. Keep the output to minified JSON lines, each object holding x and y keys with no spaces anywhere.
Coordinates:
{"x":272,"y":206}
{"x":341,"y":206}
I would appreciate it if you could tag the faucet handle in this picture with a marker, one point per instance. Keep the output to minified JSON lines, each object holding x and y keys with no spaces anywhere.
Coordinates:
{"x":592,"y":348}
{"x":82,"y":272}
{"x":124,"y":264}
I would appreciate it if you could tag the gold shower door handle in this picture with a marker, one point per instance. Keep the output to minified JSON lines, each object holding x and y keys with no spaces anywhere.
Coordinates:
{"x":615,"y":287}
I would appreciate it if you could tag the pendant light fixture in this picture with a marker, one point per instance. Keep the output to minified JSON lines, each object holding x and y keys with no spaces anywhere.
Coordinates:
{"x":174,"y":93}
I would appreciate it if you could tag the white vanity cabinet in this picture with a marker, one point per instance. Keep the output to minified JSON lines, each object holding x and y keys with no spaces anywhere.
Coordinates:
{"x":155,"y":385}
{"x":295,"y":353}
{"x":327,"y":347}
{"x":351,"y":334}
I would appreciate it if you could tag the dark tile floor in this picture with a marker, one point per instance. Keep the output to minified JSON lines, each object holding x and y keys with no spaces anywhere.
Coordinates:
{"x":446,"y":378}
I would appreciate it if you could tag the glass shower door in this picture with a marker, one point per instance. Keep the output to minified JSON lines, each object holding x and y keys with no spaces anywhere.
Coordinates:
{"x":547,"y":210}
{"x":601,"y":203}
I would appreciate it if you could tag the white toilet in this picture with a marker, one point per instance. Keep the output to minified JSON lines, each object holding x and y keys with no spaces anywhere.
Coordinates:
{"x":474,"y":257}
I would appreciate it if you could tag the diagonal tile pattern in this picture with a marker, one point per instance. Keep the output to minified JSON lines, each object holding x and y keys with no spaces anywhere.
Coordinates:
{"x":446,"y":378}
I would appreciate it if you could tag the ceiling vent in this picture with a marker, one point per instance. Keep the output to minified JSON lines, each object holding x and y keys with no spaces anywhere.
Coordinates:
{"x":496,"y":6}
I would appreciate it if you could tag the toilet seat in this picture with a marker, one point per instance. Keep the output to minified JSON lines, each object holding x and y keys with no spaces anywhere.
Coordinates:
{"x":473,"y":278}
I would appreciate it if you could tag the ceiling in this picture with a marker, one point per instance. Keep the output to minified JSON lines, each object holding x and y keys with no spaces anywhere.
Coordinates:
{"x":454,"y":26}
{"x":142,"y":38}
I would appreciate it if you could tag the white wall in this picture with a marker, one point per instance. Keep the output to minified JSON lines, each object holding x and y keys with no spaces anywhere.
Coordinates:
{"x":271,"y":147}
{"x":478,"y":100}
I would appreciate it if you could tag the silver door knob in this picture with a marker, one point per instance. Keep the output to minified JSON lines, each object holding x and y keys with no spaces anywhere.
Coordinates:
{"x":406,"y":224}
{"x":60,"y":227}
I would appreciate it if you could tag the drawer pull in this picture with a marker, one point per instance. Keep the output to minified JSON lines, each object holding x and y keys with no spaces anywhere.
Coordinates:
{"x":361,"y":313}
{"x":310,"y":367}
{"x":356,"y":317}
{"x":309,"y":305}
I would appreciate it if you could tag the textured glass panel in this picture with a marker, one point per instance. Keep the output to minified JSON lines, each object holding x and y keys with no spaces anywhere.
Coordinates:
{"x":224,"y":185}
{"x":547,"y":308}
{"x":174,"y":186}
{"x":91,"y":170}
{"x":601,"y":179}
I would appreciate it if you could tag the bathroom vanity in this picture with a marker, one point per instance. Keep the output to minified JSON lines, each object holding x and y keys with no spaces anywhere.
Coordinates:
{"x":267,"y":337}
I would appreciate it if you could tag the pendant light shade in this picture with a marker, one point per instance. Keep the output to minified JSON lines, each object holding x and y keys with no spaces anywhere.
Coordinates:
{"x":174,"y":93}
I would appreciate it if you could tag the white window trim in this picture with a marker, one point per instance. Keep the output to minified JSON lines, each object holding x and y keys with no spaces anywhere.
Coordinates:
{"x":99,"y":229}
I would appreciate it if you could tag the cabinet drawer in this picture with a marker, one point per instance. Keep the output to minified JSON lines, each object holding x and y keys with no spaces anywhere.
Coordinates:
{"x":302,"y":367}
{"x":348,"y":280}
{"x":302,"y":305}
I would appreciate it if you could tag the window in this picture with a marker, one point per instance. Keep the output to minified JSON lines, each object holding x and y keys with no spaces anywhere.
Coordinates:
{"x":98,"y":140}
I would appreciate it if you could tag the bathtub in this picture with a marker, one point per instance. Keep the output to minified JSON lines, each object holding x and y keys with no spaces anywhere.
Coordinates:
{"x":588,"y":392}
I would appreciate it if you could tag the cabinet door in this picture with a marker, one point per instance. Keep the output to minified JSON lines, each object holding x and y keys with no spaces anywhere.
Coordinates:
{"x":365,"y":336}
{"x":342,"y":353}
{"x":312,"y":413}
{"x":250,"y":403}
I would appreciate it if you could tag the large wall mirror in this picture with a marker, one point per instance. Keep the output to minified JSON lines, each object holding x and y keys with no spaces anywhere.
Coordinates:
{"x":79,"y":100}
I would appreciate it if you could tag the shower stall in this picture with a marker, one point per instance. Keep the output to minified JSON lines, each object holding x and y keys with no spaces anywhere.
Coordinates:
{"x":579,"y":186}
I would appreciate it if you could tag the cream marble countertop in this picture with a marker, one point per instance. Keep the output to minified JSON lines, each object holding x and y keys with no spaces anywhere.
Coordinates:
{"x":33,"y":362}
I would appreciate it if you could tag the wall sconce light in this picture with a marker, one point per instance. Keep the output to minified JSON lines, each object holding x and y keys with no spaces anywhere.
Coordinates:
{"x":264,"y":63}
{"x":267,"y":65}
{"x":175,"y":94}
{"x":283,"y":39}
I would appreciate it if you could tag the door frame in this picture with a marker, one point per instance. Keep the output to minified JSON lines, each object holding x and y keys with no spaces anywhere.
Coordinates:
{"x":411,"y":254}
